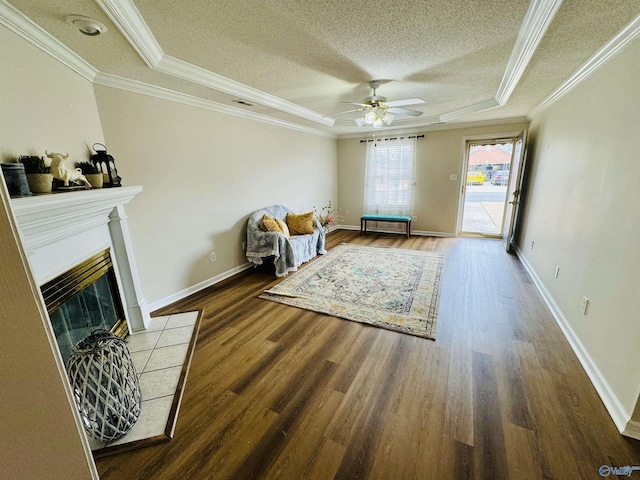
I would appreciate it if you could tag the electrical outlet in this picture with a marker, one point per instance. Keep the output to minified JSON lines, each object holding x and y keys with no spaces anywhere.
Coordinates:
{"x":531,"y":244}
{"x":414,"y":218}
{"x":453,"y":176}
{"x":213,"y":257}
{"x":585,"y":304}
{"x":557,"y":271}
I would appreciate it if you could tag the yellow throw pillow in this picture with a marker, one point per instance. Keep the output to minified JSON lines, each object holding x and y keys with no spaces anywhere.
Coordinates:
{"x":300,"y":224}
{"x":283,"y":227}
{"x":268,"y":224}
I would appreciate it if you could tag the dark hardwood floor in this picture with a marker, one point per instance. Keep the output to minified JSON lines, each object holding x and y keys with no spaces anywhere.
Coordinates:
{"x":276,"y":392}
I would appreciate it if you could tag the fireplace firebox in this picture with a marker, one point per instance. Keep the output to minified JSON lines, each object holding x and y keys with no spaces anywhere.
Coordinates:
{"x":83,"y":299}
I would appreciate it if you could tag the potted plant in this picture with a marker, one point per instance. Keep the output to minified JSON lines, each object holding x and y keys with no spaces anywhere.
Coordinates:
{"x":39,"y":175}
{"x":93,"y":175}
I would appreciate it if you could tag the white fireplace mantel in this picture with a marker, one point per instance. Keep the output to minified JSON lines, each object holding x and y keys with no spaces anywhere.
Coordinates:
{"x":60,"y":230}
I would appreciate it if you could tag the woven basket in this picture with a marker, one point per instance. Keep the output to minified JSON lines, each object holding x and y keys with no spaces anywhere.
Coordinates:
{"x":105,"y":385}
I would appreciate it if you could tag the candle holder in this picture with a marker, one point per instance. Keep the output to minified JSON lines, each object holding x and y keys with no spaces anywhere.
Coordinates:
{"x":107,"y":166}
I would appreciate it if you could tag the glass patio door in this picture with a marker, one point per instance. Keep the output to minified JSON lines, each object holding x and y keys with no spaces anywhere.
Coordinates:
{"x":484,"y":193}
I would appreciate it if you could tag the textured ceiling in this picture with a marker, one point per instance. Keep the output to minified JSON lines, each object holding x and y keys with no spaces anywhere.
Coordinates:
{"x":316,"y":54}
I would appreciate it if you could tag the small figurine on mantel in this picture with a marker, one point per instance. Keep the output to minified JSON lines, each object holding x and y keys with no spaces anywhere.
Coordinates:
{"x":66,"y":175}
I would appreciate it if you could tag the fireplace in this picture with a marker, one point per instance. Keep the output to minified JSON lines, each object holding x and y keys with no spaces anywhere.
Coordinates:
{"x":85,"y":235}
{"x":83,"y":299}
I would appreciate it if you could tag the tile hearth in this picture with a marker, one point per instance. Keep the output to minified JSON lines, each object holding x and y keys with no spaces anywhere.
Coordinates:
{"x":159,"y":355}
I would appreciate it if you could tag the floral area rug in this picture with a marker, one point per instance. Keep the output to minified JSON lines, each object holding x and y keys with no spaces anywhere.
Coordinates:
{"x":392,"y":288}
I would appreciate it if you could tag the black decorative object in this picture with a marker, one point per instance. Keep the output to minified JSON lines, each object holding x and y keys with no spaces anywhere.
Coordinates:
{"x":105,"y":385}
{"x":106,"y":165}
{"x":16,"y":179}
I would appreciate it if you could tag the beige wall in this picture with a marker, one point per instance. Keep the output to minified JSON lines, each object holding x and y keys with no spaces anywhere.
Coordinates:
{"x":439,"y":154}
{"x":581,"y":209}
{"x":45,"y":105}
{"x":203,"y":173}
{"x":39,"y":433}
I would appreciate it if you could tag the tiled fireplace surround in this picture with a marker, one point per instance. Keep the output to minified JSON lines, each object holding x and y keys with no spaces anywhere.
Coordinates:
{"x":63,"y":229}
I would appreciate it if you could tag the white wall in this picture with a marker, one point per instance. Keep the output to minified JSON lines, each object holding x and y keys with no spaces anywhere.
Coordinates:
{"x":581,"y":209}
{"x":39,"y":432}
{"x":439,"y":154}
{"x":203,"y":173}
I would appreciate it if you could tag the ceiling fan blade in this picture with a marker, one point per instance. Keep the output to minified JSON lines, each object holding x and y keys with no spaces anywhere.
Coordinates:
{"x":405,"y":111}
{"x":358,"y":104}
{"x":342,"y":113}
{"x":405,"y":102}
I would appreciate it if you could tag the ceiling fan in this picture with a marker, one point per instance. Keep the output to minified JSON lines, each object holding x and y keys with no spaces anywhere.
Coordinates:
{"x":377,"y":111}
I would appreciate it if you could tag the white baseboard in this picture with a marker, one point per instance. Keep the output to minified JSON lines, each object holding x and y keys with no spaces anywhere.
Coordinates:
{"x":413,"y":232}
{"x":632,"y":429}
{"x":620,"y":416}
{"x":163,"y":302}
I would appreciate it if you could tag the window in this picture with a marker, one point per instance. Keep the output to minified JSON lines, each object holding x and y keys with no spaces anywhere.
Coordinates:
{"x":390,"y":176}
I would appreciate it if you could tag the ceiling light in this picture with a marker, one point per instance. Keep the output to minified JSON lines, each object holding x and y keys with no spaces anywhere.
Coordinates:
{"x":375,"y":116}
{"x":86,"y":25}
{"x":369,"y":117}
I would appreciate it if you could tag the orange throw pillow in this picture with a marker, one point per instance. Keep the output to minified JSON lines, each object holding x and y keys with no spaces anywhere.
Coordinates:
{"x":268,"y":224}
{"x":300,"y":224}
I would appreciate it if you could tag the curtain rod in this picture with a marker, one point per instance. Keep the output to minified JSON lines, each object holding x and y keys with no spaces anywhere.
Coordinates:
{"x":392,"y":138}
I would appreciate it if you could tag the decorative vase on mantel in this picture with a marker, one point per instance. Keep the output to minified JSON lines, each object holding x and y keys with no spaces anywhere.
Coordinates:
{"x":39,"y":175}
{"x":15,"y":179}
{"x":95,"y":179}
{"x":40,"y":182}
{"x":92,"y":174}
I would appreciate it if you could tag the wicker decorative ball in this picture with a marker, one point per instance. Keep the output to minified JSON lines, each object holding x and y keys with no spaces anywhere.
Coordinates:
{"x":105,"y":385}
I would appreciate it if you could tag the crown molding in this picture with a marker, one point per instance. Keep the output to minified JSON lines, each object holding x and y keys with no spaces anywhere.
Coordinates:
{"x":23,"y":26}
{"x":475,"y":108}
{"x":408,"y":130}
{"x":535,"y":24}
{"x":129,"y":21}
{"x":626,"y":35}
{"x":192,"y":73}
{"x":135,"y":86}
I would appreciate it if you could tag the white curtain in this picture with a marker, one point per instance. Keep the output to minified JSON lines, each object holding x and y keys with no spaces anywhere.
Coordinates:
{"x":390,"y":177}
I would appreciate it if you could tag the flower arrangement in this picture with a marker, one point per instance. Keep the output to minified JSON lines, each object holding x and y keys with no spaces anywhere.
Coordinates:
{"x":328,"y":215}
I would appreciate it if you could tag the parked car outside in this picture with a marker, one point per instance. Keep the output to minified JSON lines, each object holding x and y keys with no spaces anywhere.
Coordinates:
{"x":475,"y":178}
{"x":501,"y":177}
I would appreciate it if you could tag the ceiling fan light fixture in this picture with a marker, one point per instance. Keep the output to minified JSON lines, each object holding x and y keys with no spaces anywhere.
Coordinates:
{"x":87,"y":26}
{"x":369,"y":117}
{"x":376,"y":108}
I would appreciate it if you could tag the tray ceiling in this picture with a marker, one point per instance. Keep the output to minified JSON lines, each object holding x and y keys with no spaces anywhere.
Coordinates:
{"x":296,"y":61}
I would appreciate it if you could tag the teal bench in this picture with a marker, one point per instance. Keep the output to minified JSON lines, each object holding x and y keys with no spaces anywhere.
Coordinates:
{"x":379,"y":217}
